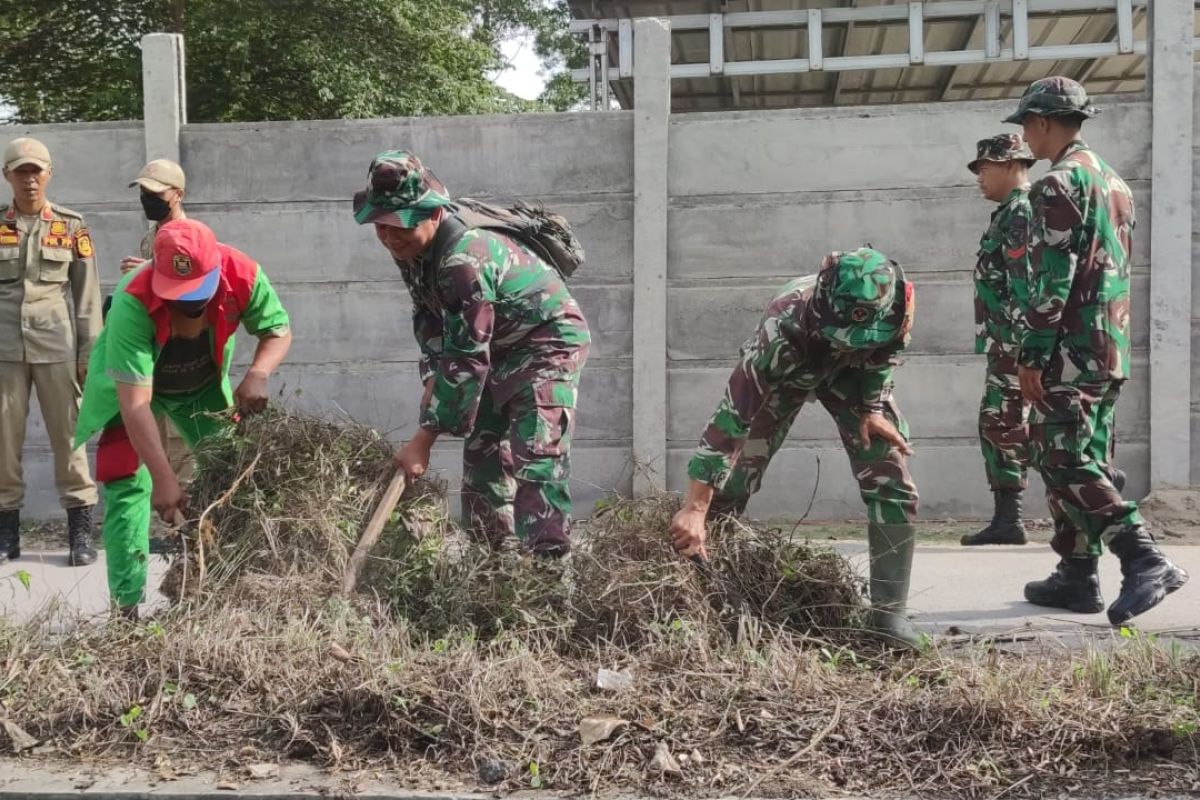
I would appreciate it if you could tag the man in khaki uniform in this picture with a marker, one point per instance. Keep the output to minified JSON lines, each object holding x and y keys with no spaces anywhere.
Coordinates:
{"x":162,"y":186}
{"x":49,"y":319}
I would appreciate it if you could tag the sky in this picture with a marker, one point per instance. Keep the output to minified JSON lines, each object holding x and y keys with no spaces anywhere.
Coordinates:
{"x":521,"y":77}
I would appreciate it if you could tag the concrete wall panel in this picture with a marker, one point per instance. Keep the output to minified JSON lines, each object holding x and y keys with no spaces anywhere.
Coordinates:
{"x":474,"y":156}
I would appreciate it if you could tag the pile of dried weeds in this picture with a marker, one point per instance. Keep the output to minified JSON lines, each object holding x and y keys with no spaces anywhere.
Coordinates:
{"x":453,"y":661}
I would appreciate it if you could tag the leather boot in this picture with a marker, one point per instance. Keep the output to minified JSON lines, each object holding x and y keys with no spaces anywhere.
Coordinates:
{"x":1006,"y":526}
{"x":891,"y":550}
{"x":1074,"y":585}
{"x":81,"y":533}
{"x":1148,"y":576}
{"x":10,"y":536}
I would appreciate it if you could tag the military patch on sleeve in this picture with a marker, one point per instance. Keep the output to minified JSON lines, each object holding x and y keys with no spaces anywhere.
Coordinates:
{"x":83,"y":244}
{"x":58,"y":228}
{"x":9,"y":235}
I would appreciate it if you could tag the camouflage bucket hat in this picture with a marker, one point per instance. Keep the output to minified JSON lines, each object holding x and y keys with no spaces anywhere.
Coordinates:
{"x":400,"y":191}
{"x":857,"y":302}
{"x":1001,"y":149}
{"x":1051,"y":97}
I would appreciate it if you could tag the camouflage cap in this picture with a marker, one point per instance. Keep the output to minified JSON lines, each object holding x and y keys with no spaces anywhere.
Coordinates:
{"x":1002,"y":148}
{"x":857,"y":303}
{"x":400,"y":191}
{"x":1051,"y":97}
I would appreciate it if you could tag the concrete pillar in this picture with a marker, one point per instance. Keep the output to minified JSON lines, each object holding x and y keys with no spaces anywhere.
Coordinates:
{"x":1171,"y":243}
{"x":651,"y":113}
{"x":164,"y":91}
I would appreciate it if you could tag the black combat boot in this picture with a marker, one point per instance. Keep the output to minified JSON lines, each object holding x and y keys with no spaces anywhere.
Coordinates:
{"x":1074,"y":585}
{"x":1006,"y":526}
{"x":10,"y":536}
{"x":80,"y":533}
{"x":1148,"y":576}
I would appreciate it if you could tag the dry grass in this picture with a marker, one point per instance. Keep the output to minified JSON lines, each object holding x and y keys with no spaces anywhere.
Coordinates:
{"x":452,"y":658}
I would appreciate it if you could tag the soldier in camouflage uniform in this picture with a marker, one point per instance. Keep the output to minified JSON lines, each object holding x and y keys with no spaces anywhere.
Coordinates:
{"x":1074,"y":358}
{"x":833,"y":337}
{"x":502,"y":343}
{"x":1001,"y":293}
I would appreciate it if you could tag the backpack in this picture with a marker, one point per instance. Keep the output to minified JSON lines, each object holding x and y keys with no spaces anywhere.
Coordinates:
{"x":547,"y":234}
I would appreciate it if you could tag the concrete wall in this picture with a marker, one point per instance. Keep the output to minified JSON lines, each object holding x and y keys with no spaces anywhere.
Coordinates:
{"x":752,"y":199}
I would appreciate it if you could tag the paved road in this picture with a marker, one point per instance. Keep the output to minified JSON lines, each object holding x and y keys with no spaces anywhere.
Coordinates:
{"x":973,"y":591}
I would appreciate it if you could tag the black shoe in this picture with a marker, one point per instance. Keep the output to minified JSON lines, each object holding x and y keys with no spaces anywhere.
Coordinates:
{"x":1148,"y":576}
{"x":1006,"y":526}
{"x":1074,"y":585}
{"x":80,"y":534}
{"x":10,"y":536}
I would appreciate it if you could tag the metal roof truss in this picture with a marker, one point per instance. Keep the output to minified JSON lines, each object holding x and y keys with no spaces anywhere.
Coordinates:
{"x":601,"y":72}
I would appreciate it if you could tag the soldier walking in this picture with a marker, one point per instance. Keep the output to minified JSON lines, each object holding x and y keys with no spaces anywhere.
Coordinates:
{"x":1001,"y":168}
{"x":1074,"y":358}
{"x":49,"y":320}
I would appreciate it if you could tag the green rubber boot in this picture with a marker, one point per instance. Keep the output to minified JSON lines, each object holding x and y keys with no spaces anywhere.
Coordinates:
{"x":891,"y":567}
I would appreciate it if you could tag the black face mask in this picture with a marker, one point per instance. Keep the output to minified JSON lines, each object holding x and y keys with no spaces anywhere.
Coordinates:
{"x":192,"y":309}
{"x":155,"y":208}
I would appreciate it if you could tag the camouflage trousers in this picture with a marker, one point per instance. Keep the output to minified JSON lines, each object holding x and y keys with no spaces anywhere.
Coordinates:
{"x":882,"y":471}
{"x":516,"y":465}
{"x":1003,"y":425}
{"x":1070,"y":445}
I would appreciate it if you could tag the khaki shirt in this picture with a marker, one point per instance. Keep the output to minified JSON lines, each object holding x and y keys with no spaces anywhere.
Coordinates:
{"x":42,"y":263}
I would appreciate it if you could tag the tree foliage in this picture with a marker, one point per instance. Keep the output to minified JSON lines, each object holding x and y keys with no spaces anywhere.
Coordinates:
{"x":274,"y":59}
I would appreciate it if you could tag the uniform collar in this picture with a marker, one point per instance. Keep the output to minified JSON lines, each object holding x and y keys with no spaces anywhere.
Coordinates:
{"x":1014,"y":195}
{"x":1074,"y":147}
{"x":46,"y":214}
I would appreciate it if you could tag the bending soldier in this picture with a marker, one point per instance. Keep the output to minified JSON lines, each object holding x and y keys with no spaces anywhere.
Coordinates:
{"x":502,"y":344}
{"x":831,"y":337}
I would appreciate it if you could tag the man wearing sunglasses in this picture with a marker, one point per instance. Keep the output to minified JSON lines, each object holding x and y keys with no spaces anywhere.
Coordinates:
{"x":165,"y":350}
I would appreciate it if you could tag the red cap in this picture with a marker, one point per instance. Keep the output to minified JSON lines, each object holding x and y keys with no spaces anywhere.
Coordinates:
{"x":187,"y":261}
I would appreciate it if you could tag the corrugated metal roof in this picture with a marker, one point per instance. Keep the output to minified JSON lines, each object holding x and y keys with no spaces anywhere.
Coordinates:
{"x":1125,"y":73}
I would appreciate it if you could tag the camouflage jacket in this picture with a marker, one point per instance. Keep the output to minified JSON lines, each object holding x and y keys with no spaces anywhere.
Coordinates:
{"x":786,"y":353}
{"x":493,"y":315}
{"x":1002,"y":276}
{"x":1077,"y":324}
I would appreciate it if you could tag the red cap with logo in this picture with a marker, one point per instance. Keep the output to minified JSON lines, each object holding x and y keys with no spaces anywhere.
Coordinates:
{"x":187,"y":261}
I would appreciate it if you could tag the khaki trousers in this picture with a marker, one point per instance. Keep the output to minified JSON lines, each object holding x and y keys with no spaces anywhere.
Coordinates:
{"x":58,"y":395}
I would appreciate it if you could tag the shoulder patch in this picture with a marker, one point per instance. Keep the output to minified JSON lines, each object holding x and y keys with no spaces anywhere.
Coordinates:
{"x":83,"y":244}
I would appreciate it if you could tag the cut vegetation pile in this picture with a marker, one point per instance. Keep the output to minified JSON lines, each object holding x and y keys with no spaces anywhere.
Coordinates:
{"x":622,"y":667}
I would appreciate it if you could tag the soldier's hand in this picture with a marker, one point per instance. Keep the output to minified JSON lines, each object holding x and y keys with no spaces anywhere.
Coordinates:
{"x":82,"y":373}
{"x":1031,"y":383}
{"x":168,"y":499}
{"x":413,"y":457}
{"x":251,"y":394}
{"x":129,"y":263}
{"x":688,"y":532}
{"x":877,"y":425}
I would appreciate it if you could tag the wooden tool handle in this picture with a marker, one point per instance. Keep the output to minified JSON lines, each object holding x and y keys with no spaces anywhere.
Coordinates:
{"x":371,"y":534}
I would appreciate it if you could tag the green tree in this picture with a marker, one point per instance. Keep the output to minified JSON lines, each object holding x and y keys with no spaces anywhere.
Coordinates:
{"x":267,"y":59}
